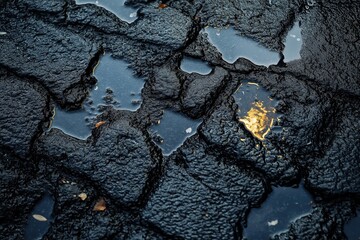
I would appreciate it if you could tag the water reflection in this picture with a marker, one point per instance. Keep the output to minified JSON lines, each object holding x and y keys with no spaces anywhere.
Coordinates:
{"x":293,"y":44}
{"x":232,"y":46}
{"x":256,"y":109}
{"x":193,"y":65}
{"x":172,"y":130}
{"x":40,"y":219}
{"x":352,"y":228}
{"x":116,"y":87}
{"x":117,"y":7}
{"x":283,"y":206}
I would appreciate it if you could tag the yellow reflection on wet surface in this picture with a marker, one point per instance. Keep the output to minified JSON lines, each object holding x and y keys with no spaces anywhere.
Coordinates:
{"x":256,"y":109}
{"x":258,"y":120}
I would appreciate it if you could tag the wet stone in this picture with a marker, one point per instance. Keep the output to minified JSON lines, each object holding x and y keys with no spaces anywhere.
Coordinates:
{"x":283,"y":205}
{"x":190,"y":201}
{"x":118,"y":160}
{"x":201,"y":91}
{"x":261,"y":20}
{"x":338,"y":170}
{"x":233,"y":46}
{"x":19,"y":193}
{"x":228,"y":135}
{"x":330,"y":57}
{"x":172,"y":130}
{"x":100,"y":19}
{"x":165,"y":83}
{"x":122,"y":11}
{"x":153,"y":27}
{"x":64,"y":55}
{"x":23,"y":109}
{"x":74,"y":216}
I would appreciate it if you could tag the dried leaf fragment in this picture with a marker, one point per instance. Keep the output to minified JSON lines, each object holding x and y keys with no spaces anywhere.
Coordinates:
{"x":163,"y":5}
{"x":39,"y":217}
{"x":82,"y":196}
{"x":100,"y":123}
{"x":100,"y":206}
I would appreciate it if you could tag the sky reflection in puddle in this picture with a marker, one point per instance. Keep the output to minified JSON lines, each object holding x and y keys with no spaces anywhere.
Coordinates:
{"x":172,"y":130}
{"x":117,"y":7}
{"x":116,"y":87}
{"x":233,"y":46}
{"x":193,"y":65}
{"x":256,"y":109}
{"x":293,"y":44}
{"x":283,"y":206}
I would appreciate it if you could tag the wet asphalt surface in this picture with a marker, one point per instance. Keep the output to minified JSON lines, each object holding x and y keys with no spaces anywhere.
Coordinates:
{"x":264,"y":150}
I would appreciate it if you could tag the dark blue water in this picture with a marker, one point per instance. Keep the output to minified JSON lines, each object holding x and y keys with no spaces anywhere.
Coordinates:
{"x":233,"y":46}
{"x":293,"y":44}
{"x":193,"y":65}
{"x":352,"y":228}
{"x":116,"y":87}
{"x":35,"y":229}
{"x":117,"y":7}
{"x":283,"y":206}
{"x":173,"y":129}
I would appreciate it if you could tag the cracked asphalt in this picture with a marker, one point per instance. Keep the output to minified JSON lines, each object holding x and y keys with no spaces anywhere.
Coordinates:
{"x":206,"y":188}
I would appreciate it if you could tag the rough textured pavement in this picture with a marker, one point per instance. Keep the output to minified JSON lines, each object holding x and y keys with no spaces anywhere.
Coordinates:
{"x":207,"y":187}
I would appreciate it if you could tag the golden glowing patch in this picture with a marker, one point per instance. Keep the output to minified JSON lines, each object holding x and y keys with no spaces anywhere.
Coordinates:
{"x":258,"y":120}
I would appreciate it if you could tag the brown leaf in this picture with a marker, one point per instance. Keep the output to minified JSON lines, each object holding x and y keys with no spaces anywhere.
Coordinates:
{"x":163,"y":5}
{"x":39,"y":217}
{"x":100,"y":206}
{"x":99,"y":124}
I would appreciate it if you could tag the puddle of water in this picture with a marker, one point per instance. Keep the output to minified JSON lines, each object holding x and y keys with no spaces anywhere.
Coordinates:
{"x":293,"y":44}
{"x":283,"y":206}
{"x":232,"y":46}
{"x":73,"y":122}
{"x":173,"y":129}
{"x":117,"y":7}
{"x":256,"y":109}
{"x":116,"y":87}
{"x":352,"y":228}
{"x":125,"y":88}
{"x":35,"y":229}
{"x":193,"y":65}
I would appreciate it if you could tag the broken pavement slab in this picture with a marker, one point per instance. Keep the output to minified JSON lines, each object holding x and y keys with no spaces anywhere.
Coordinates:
{"x":118,"y":160}
{"x":24,"y":108}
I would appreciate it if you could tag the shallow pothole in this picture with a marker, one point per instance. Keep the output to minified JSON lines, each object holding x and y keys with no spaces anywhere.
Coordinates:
{"x":172,"y":130}
{"x":40,"y":218}
{"x":193,"y":65}
{"x":116,"y":87}
{"x":232,"y":46}
{"x":283,"y":206}
{"x":256,"y":109}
